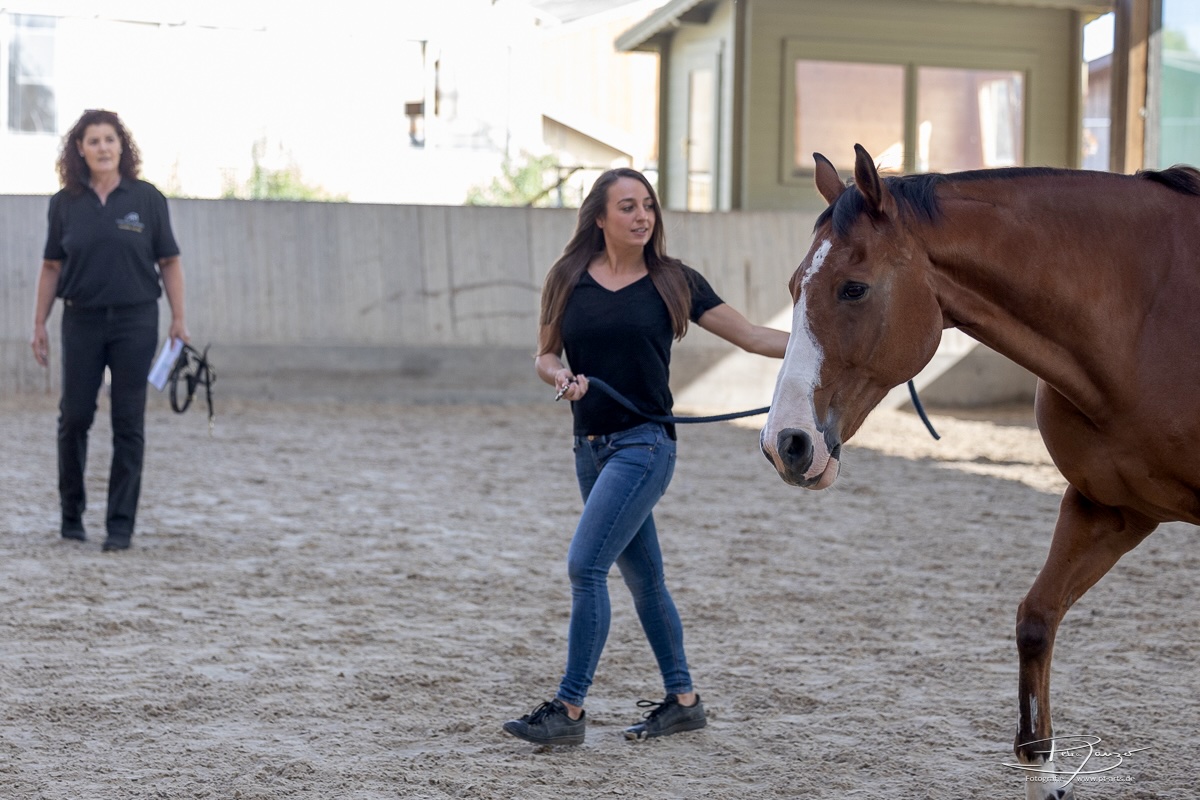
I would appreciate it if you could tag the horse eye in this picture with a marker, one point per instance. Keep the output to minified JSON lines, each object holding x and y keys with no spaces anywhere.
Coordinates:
{"x":852,"y":290}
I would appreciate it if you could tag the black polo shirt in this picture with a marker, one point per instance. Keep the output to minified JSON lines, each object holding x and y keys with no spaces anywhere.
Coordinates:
{"x":110,"y":251}
{"x":624,"y":338}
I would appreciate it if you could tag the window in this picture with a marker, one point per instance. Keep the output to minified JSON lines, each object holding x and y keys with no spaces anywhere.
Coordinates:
{"x":701,"y":144}
{"x":968,"y":119}
{"x":909,"y":117}
{"x":1179,"y":86}
{"x":31,"y":75}
{"x":1097,"y":92}
{"x":839,"y":104}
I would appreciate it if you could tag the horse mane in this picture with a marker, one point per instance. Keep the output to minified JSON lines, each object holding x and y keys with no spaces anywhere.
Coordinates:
{"x":917,"y":194}
{"x":1181,"y":178}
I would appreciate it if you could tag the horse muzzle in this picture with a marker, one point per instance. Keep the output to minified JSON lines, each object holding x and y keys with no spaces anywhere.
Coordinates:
{"x":793,"y":458}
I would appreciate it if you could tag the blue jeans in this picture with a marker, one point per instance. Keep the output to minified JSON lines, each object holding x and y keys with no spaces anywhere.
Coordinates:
{"x":621,"y":476}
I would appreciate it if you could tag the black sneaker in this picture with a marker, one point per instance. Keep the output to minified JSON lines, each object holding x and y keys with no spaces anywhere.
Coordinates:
{"x":666,"y":718}
{"x":73,"y":529}
{"x":549,"y":723}
{"x":116,"y":541}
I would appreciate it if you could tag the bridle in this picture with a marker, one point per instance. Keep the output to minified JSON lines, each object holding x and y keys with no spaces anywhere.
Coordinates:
{"x":193,"y":369}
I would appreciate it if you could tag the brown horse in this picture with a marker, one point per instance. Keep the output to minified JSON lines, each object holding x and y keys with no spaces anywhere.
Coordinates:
{"x":1089,"y":280}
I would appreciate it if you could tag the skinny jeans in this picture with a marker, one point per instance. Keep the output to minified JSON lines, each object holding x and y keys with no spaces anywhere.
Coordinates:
{"x":621,"y":477}
{"x":122,"y":338}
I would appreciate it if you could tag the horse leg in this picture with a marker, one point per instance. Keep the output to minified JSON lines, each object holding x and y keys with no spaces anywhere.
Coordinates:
{"x":1088,"y":540}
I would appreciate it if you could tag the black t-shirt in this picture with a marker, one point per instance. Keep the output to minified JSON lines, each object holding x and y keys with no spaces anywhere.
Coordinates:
{"x":110,"y":251}
{"x":624,"y":338}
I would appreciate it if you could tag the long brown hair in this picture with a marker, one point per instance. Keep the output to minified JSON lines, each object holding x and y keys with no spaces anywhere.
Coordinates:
{"x":665,"y":272}
{"x":73,"y":172}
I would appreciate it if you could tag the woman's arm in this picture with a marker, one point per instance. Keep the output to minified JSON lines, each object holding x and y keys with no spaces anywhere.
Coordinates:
{"x":46,"y":287}
{"x":172,"y":280}
{"x":550,"y":369}
{"x":728,"y":323}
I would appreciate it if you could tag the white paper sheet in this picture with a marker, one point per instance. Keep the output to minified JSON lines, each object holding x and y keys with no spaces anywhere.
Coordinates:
{"x":161,"y":370}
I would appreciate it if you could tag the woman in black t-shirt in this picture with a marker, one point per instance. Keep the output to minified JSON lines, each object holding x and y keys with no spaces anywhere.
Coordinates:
{"x":614,"y":303}
{"x":109,"y":254}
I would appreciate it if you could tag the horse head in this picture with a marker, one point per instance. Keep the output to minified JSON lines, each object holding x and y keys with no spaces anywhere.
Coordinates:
{"x":866,"y":319}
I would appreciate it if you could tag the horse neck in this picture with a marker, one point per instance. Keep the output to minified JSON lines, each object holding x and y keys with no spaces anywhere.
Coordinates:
{"x":1036,"y":274}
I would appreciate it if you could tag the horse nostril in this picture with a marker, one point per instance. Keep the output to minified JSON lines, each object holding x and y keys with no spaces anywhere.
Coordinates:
{"x":795,"y":449}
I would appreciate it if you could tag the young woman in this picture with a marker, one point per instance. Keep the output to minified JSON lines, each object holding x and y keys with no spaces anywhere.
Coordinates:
{"x":614,"y":303}
{"x":109,"y":254}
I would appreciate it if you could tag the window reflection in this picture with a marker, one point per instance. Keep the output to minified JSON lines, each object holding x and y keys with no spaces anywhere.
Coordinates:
{"x":969,"y":119}
{"x":965,"y":118}
{"x":839,"y":103}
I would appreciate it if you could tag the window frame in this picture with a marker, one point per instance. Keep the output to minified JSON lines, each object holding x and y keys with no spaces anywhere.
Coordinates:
{"x":860,"y":52}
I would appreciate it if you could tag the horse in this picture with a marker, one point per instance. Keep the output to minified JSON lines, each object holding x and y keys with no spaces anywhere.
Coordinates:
{"x":1089,"y":280}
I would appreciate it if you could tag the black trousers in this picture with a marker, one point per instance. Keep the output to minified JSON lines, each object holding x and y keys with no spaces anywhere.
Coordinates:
{"x":122,"y":338}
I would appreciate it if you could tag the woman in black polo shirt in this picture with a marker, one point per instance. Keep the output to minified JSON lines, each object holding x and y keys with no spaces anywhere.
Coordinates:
{"x":614,"y":302}
{"x":109,"y":254}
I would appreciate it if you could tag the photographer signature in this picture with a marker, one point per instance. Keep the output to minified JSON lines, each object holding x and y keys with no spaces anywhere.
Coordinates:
{"x":1092,"y":760}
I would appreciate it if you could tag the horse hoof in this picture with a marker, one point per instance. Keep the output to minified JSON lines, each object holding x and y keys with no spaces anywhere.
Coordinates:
{"x":1042,"y":792}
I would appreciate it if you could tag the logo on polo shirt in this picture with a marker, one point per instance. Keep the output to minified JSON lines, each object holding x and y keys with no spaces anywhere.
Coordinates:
{"x":131,"y":222}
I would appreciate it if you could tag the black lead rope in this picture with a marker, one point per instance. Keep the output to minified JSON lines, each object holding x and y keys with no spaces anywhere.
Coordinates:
{"x":912,"y":391}
{"x":615,"y":395}
{"x":622,"y":400}
{"x":193,"y":370}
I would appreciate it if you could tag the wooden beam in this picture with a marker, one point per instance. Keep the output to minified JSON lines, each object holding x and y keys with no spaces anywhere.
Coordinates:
{"x":1131,"y":39}
{"x":737,"y":85}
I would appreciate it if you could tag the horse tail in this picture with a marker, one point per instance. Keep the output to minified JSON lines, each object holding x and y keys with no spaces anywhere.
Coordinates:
{"x":1181,"y":178}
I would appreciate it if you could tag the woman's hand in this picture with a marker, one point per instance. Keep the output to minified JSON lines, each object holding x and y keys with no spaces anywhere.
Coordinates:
{"x":171,"y":269}
{"x":41,"y":345}
{"x":179,"y":331}
{"x":568,"y":385}
{"x":47,"y":281}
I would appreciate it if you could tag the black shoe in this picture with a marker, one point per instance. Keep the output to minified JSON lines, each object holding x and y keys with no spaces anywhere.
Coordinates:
{"x":73,"y":529}
{"x":116,"y":542}
{"x":549,"y":723}
{"x":667,"y":717}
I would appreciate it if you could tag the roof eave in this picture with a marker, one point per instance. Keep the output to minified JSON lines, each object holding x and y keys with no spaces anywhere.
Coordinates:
{"x":645,"y":34}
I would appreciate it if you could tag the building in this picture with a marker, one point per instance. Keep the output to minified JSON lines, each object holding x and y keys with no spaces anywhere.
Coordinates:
{"x":751,"y":88}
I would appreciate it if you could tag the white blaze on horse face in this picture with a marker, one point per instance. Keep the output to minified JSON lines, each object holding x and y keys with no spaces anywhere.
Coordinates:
{"x":792,"y":405}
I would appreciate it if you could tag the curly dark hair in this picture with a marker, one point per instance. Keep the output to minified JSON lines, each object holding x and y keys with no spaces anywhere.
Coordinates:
{"x":665,"y":272}
{"x":73,"y":173}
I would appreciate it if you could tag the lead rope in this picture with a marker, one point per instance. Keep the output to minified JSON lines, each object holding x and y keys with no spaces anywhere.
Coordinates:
{"x":912,"y":391}
{"x":193,"y":368}
{"x":617,"y":396}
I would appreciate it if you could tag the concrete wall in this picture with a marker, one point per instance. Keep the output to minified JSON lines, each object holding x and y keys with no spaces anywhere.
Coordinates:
{"x":382,"y":302}
{"x":433,"y":304}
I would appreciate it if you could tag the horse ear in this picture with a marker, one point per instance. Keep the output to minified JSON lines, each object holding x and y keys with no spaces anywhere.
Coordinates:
{"x":828,"y":183}
{"x":880,"y":202}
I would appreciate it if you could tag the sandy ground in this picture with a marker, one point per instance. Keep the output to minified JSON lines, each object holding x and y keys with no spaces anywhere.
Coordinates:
{"x":346,"y":602}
